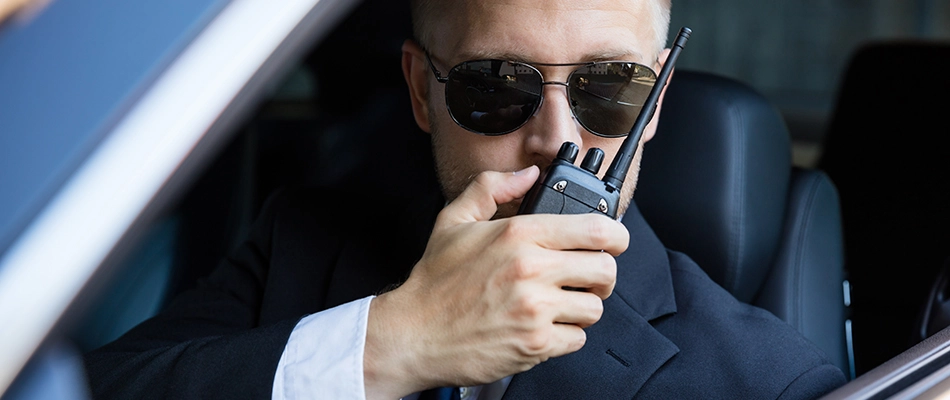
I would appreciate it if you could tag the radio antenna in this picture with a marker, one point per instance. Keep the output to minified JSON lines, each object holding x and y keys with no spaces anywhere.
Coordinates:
{"x":618,"y":168}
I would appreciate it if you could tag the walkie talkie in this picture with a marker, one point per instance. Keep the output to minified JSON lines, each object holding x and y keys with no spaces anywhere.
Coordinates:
{"x":564,"y":188}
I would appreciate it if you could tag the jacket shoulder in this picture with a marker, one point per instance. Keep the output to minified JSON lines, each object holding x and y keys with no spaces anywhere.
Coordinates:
{"x":730,"y":349}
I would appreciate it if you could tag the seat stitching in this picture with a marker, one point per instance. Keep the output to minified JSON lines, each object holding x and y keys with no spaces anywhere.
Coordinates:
{"x":811,"y":193}
{"x":738,"y":219}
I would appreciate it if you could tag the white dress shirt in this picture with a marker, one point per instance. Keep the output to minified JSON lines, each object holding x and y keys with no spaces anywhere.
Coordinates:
{"x":323,"y":359}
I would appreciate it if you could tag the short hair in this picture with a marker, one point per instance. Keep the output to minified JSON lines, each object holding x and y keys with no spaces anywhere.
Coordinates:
{"x":422,"y":11}
{"x":425,"y":10}
{"x":661,"y":17}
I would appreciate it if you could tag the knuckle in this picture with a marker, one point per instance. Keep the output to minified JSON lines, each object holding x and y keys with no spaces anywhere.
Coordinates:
{"x":609,"y":268}
{"x":529,"y":307}
{"x":536,"y":342}
{"x":516,"y":229}
{"x":523,"y":268}
{"x":606,"y":276}
{"x":625,"y":240}
{"x":598,"y":233}
{"x":593,"y":309}
{"x":580,"y":341}
{"x":596,"y":309}
{"x":484,"y":179}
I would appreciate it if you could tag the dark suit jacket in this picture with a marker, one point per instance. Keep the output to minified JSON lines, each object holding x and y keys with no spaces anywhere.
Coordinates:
{"x":667,"y":331}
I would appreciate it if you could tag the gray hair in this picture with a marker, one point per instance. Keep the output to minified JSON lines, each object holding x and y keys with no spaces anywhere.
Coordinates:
{"x":424,"y":11}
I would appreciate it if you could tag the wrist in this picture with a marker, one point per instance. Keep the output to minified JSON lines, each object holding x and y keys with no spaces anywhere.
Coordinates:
{"x":390,"y":367}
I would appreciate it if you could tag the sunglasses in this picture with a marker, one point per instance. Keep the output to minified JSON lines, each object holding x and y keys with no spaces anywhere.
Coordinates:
{"x":495,"y":97}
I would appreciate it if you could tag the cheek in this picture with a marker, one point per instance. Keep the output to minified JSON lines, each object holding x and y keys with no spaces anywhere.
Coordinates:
{"x":454,"y":145}
{"x":630,"y":183}
{"x":451,"y":173}
{"x":460,"y":155}
{"x":474,"y":152}
{"x":456,"y":161}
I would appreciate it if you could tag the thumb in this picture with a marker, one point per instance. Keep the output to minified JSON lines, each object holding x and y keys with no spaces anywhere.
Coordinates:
{"x":481,"y":198}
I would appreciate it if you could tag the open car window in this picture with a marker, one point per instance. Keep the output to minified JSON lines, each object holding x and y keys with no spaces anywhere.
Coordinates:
{"x":134,"y":149}
{"x":114,"y":163}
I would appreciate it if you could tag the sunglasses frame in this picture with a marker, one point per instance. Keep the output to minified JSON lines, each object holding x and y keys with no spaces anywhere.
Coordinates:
{"x":566,"y":84}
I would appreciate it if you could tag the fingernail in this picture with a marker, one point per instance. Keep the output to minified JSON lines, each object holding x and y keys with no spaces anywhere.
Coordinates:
{"x":522,"y":171}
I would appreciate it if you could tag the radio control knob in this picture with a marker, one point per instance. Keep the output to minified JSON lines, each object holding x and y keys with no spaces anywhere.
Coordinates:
{"x":568,"y":152}
{"x":593,"y":160}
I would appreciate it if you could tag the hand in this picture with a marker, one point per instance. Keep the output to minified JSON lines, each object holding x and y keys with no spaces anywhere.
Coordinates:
{"x":487,"y":299}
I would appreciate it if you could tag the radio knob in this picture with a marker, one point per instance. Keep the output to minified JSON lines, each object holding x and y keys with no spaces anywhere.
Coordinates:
{"x":593,"y":160}
{"x":568,"y":152}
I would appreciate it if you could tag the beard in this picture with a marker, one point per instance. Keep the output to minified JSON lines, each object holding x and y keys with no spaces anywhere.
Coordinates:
{"x":455,"y":173}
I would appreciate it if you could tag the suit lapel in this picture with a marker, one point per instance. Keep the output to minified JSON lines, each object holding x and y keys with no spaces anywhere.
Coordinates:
{"x":621,"y":353}
{"x":623,"y":350}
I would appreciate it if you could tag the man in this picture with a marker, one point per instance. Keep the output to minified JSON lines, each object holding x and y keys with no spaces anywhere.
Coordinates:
{"x":533,"y":306}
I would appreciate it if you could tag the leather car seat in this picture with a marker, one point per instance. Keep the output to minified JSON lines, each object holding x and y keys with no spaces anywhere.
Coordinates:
{"x":717,"y":184}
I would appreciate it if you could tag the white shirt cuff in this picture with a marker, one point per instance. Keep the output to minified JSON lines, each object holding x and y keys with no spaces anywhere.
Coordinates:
{"x":324,"y":355}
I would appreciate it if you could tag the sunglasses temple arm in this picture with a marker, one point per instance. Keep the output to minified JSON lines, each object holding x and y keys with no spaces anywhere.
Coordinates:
{"x":618,"y":168}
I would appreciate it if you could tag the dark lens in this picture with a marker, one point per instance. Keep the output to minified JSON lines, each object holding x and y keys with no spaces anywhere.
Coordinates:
{"x":606,"y":97}
{"x":492,"y":97}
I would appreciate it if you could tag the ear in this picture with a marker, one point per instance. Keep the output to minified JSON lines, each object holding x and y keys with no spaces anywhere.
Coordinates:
{"x":416,"y":71}
{"x":651,"y":129}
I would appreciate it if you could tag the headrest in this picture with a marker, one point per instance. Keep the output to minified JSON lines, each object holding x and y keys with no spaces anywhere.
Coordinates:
{"x":714,"y":179}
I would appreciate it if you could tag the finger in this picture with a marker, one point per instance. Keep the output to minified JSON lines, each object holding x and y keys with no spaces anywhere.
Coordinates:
{"x":578,"y":308}
{"x":481,"y":198}
{"x":593,"y":272}
{"x":577,"y":232}
{"x":567,"y":338}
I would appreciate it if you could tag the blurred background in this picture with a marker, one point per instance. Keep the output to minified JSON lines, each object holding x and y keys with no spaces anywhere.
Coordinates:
{"x":795,"y":52}
{"x":862,"y":87}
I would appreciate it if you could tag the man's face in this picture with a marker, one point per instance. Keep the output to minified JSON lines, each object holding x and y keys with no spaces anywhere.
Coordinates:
{"x":533,"y":31}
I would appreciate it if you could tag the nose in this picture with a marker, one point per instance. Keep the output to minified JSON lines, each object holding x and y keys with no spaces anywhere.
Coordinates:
{"x":552,"y":125}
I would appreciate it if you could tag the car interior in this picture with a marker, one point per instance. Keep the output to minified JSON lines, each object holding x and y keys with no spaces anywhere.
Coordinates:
{"x":894,"y":180}
{"x":771,"y":235}
{"x":794,"y":238}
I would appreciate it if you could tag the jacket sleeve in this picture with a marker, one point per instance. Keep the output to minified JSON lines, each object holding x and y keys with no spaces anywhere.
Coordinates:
{"x":207,"y":343}
{"x":814,"y":383}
